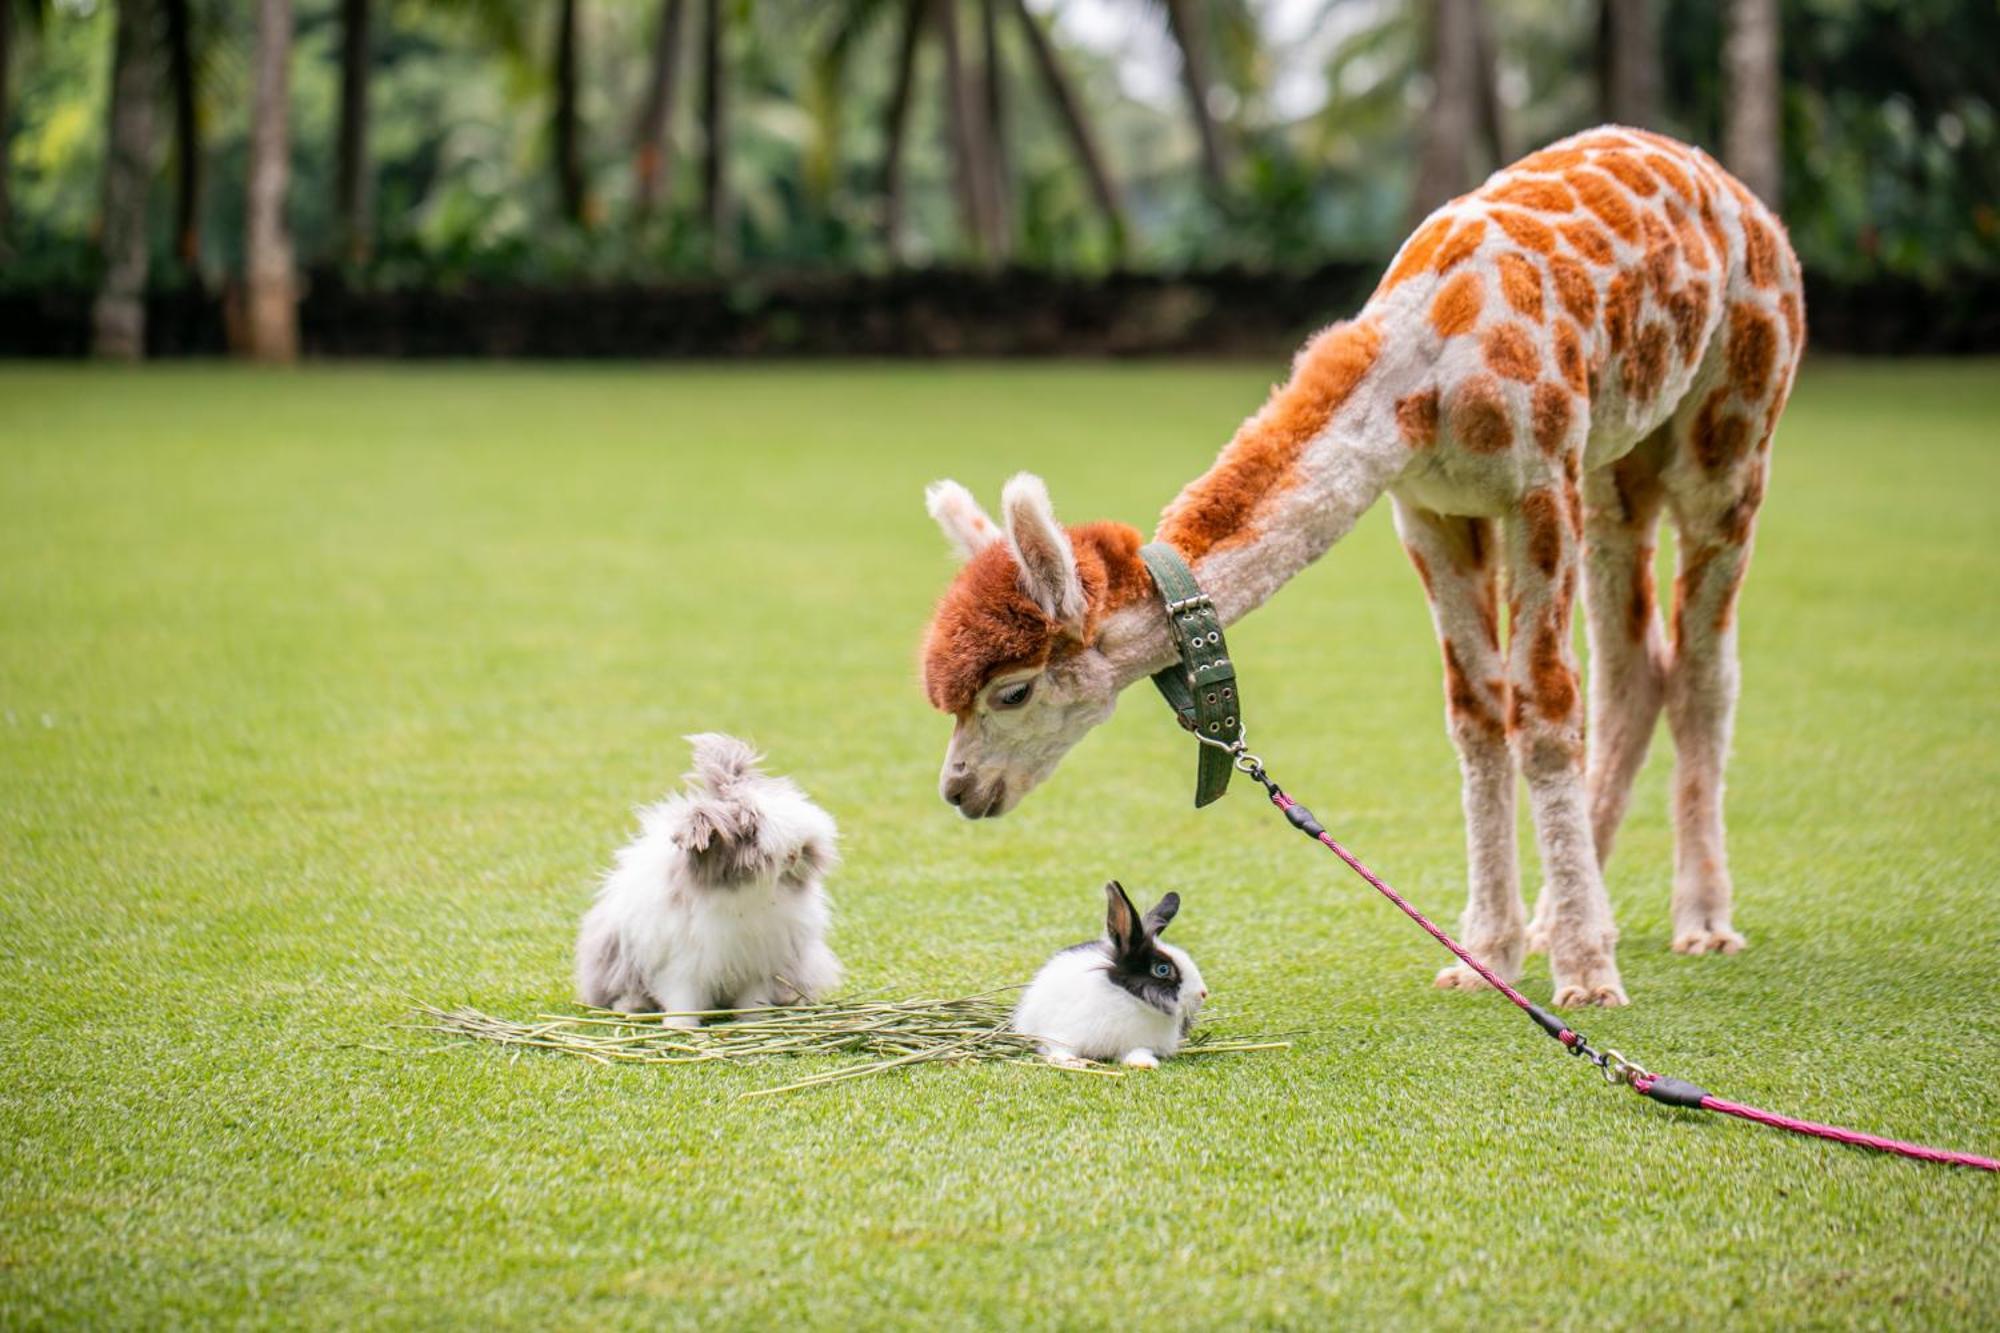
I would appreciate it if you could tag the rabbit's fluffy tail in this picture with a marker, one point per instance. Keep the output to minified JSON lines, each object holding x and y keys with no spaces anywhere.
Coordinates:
{"x":721,"y":762}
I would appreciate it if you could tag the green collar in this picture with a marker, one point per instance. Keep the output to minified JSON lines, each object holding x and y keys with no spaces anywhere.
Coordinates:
{"x":1201,"y":688}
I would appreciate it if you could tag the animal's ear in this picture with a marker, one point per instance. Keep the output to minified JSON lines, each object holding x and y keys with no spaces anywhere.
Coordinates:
{"x":1162,"y":913}
{"x":1121,"y":919}
{"x":1047,"y":560}
{"x":965,"y":524}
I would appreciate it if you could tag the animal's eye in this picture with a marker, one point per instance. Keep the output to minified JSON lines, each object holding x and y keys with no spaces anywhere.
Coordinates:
{"x":1163,"y":969}
{"x":1013,"y":696}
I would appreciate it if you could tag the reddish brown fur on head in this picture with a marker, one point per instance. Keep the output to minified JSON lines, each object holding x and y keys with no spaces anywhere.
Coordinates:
{"x":986,"y":624}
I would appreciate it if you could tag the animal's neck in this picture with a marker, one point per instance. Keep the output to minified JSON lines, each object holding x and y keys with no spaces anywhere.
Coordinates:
{"x":1295,"y":479}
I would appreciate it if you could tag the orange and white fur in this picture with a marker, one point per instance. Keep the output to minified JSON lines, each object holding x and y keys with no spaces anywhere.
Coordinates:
{"x":1601,"y":334}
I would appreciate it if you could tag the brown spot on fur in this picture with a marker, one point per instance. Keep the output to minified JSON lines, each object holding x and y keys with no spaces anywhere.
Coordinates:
{"x":1463,"y":699}
{"x":1569,"y":357}
{"x":1631,"y":173}
{"x":985,"y":624}
{"x":1417,"y":418}
{"x":1686,"y":309}
{"x":1574,"y":288}
{"x":1670,"y":174}
{"x":1740,"y":518}
{"x":1527,"y":232}
{"x":1693,"y":248}
{"x":1417,"y":252}
{"x":1753,"y":349}
{"x":1646,"y":364}
{"x":1544,"y":196}
{"x":1218,"y":508}
{"x":1760,"y":253}
{"x":1462,"y":245}
{"x":1423,"y":569}
{"x":1687,"y":585}
{"x":1663,"y":260}
{"x":1554,"y":160}
{"x":1550,"y":411}
{"x":1478,"y":416}
{"x":1588,"y":241}
{"x":1639,"y":607}
{"x":1466,"y":540}
{"x":1604,"y":139}
{"x":1456,"y":308}
{"x":1554,"y":681}
{"x":1719,"y":434}
{"x":1510,"y":351}
{"x":1795,"y":324}
{"x":1712,"y":227}
{"x":1637,"y":490}
{"x":1521,"y":284}
{"x":1605,"y":199}
{"x":1543,"y":519}
{"x":1621,"y":311}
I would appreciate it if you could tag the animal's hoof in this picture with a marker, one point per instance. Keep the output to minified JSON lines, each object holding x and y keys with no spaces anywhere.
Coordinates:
{"x":1459,"y":977}
{"x":1708,"y":939}
{"x":1579,"y":995}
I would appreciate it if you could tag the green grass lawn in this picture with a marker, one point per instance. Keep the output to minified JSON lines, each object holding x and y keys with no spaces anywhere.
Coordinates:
{"x":329,"y":692}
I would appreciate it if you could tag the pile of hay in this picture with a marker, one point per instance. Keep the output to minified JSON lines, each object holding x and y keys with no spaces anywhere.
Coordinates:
{"x":893,"y":1034}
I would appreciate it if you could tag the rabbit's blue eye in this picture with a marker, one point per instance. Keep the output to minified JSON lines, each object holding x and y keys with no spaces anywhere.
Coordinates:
{"x":1163,"y":970}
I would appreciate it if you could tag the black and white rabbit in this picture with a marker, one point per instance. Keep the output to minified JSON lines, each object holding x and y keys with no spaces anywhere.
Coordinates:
{"x":1125,"y":997}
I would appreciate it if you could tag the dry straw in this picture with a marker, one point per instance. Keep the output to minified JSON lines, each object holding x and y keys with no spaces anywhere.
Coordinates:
{"x":893,"y":1034}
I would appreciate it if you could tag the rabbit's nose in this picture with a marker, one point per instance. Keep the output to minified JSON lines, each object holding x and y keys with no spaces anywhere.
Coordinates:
{"x":1204,"y":992}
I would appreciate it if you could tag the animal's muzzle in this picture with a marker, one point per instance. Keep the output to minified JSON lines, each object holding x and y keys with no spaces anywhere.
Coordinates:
{"x":963,"y":792}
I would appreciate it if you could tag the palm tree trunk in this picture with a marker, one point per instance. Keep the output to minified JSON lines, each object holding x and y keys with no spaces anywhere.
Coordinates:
{"x":1628,"y":62}
{"x":118,"y":317}
{"x":968,"y":139}
{"x":714,"y":135}
{"x":271,"y":296}
{"x":999,"y":162}
{"x":897,"y":129}
{"x":6,"y":110}
{"x":1069,"y":109}
{"x":1451,"y":120}
{"x":653,"y":140}
{"x":352,"y":200}
{"x":1216,"y":156}
{"x":187,"y":139}
{"x":1751,"y":135}
{"x":566,"y":132}
{"x":1492,"y":118}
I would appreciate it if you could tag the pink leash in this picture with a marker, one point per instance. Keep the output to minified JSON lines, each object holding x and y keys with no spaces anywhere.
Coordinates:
{"x":1616,"y":1068}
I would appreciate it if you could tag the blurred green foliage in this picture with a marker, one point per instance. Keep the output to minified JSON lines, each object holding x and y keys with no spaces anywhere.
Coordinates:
{"x":1892,"y":138}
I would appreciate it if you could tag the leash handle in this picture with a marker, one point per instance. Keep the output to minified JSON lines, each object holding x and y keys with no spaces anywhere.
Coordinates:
{"x":1615,"y":1067}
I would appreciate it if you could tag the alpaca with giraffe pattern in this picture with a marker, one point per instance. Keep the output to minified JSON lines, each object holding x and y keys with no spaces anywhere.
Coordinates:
{"x":1601,"y":335}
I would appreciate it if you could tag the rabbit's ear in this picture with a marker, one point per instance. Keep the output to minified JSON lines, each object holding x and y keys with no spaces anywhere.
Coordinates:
{"x":1121,"y":919}
{"x":1162,"y":913}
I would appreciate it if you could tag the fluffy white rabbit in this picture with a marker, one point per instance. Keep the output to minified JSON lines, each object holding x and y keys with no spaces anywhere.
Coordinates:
{"x":718,"y":903}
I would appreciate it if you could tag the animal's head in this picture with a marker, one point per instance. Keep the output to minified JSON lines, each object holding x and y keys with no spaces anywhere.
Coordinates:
{"x":1012,"y":652}
{"x":738,"y":826}
{"x":1150,"y":971}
